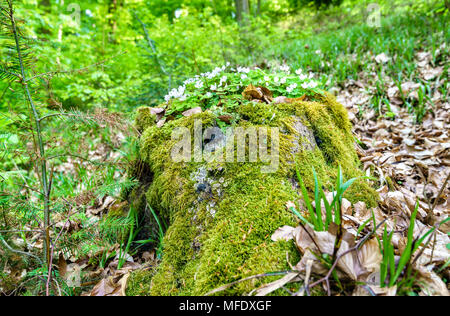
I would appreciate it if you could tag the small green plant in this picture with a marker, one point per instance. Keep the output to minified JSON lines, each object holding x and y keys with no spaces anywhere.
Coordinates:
{"x":134,"y":230}
{"x":332,"y":210}
{"x":392,"y":273}
{"x":158,"y":239}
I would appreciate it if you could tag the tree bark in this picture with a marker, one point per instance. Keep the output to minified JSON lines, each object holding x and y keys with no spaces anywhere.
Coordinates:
{"x":242,"y":9}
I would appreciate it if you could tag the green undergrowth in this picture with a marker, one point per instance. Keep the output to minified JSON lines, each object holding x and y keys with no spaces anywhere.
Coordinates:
{"x":221,"y":236}
{"x":348,"y":53}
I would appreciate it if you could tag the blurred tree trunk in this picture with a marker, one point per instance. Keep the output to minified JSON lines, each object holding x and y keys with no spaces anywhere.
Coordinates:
{"x":112,"y":8}
{"x":238,"y":10}
{"x":242,"y":8}
{"x":258,"y":8}
{"x":44,"y":3}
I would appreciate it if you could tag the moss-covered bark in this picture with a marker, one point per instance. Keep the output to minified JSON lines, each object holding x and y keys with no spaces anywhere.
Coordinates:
{"x":222,"y":215}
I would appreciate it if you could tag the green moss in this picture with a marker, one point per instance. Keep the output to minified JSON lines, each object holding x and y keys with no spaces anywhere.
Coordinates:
{"x":390,"y":183}
{"x":144,"y":118}
{"x":221,"y":236}
{"x":118,"y":209}
{"x":139,"y":283}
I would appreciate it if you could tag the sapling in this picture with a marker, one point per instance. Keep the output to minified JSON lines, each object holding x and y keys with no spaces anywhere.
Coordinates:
{"x":15,"y":68}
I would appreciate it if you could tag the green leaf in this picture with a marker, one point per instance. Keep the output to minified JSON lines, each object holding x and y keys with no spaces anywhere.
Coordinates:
{"x":306,"y":197}
{"x":406,"y":255}
{"x":328,"y":211}
{"x":318,"y":202}
{"x":304,"y":220}
{"x":363,"y":225}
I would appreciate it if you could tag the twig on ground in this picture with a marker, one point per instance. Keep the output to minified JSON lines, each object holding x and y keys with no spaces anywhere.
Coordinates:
{"x":262,"y":275}
{"x":430,"y":212}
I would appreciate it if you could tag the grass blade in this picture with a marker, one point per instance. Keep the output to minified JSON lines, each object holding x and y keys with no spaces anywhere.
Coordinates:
{"x":317,"y":196}
{"x":306,"y":197}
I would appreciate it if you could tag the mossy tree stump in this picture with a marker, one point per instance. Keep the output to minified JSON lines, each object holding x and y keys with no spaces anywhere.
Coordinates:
{"x":222,"y":214}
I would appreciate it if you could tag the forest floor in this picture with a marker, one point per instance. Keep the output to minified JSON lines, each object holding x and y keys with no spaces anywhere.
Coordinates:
{"x":410,"y":159}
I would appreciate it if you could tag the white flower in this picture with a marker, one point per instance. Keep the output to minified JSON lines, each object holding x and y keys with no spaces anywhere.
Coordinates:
{"x":302,"y":77}
{"x":276,"y":79}
{"x":243,"y":76}
{"x":299,"y":71}
{"x":285,"y":68}
{"x":311,"y":75}
{"x":313,"y":84}
{"x":199,"y":84}
{"x":176,"y":93}
{"x":208,"y":95}
{"x":243,"y":69}
{"x":283,"y":80}
{"x":309,"y":85}
{"x":291,"y":87}
{"x":266,"y":78}
{"x":214,"y":73}
{"x":189,"y":81}
{"x":214,"y":87}
{"x":223,"y":79}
